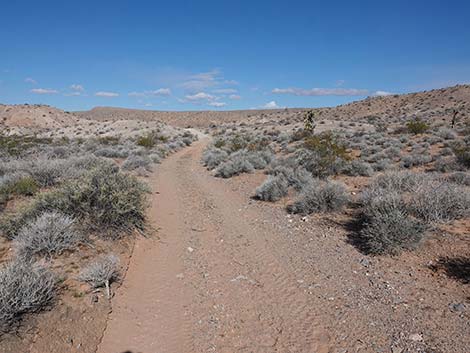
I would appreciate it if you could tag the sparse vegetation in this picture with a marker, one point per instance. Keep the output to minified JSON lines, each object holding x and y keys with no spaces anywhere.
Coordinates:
{"x":50,"y":234}
{"x":417,"y":127}
{"x":102,"y":272}
{"x":320,"y":197}
{"x":24,"y":288}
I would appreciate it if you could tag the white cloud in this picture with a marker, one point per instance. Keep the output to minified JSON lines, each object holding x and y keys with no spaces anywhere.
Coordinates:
{"x":235,"y":96}
{"x":73,"y":94}
{"x":270,"y":105}
{"x":201,"y":81}
{"x":321,"y":91}
{"x":154,"y":93}
{"x":205,"y":80}
{"x":106,"y":94}
{"x":225,"y":91}
{"x":340,"y":83}
{"x":77,"y":88}
{"x":382,"y":93}
{"x":199,"y":97}
{"x":44,"y":91}
{"x":30,"y":80}
{"x":217,"y":104}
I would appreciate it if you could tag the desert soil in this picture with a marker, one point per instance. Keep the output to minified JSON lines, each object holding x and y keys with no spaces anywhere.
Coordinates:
{"x":225,"y":273}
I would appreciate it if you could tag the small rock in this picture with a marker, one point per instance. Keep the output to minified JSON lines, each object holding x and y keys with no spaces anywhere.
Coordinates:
{"x":180,"y":276}
{"x":365,"y":262}
{"x":190,"y":249}
{"x":397,"y":350}
{"x":416,"y":337}
{"x":457,"y":307}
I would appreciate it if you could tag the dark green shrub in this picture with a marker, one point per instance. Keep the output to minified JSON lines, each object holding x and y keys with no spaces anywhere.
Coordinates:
{"x":26,"y":186}
{"x":103,"y":199}
{"x":417,"y":127}
{"x":146,"y":141}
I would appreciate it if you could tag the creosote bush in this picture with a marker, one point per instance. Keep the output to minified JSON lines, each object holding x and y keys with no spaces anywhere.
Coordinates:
{"x":24,"y":288}
{"x":104,"y":199}
{"x":322,"y":155}
{"x":417,"y":127}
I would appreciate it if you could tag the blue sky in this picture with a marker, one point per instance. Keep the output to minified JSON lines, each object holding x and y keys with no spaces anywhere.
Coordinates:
{"x":200,"y":55}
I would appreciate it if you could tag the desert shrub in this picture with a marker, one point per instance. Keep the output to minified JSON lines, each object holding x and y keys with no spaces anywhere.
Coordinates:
{"x":238,"y":162}
{"x":187,"y":141}
{"x":462,"y":153}
{"x":381,"y":165}
{"x":102,"y":272}
{"x":320,"y":197}
{"x":234,"y":166}
{"x":103,"y":199}
{"x":323,"y":155}
{"x":155,"y":158}
{"x":438,"y":201}
{"x":273,"y":189}
{"x":47,"y":172}
{"x":260,"y":159}
{"x":417,"y":127}
{"x":213,"y":157}
{"x":147,"y":141}
{"x":50,"y":234}
{"x":24,"y":288}
{"x":398,"y":181}
{"x":446,"y":151}
{"x":461,"y":178}
{"x":133,"y":162}
{"x":112,"y":152}
{"x":357,"y":167}
{"x":25,"y":186}
{"x":387,"y":227}
{"x":446,"y":164}
{"x":392,"y":152}
{"x":446,"y":133}
{"x":414,"y":160}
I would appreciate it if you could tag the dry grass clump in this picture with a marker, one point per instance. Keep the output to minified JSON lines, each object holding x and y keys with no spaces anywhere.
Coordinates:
{"x":273,"y":189}
{"x":24,"y":288}
{"x":388,"y":227}
{"x":321,"y":196}
{"x":51,"y":233}
{"x":102,"y":272}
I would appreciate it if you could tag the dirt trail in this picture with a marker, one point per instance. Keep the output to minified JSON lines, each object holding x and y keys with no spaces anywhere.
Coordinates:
{"x":215,"y":280}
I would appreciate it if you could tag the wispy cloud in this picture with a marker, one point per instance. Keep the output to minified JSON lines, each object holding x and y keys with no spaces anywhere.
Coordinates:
{"x":205,"y":80}
{"x":163,"y":92}
{"x":30,"y":80}
{"x":321,"y":91}
{"x":44,"y":91}
{"x":77,"y":88}
{"x":201,"y":96}
{"x":382,"y":93}
{"x":217,"y":104}
{"x":225,"y":91}
{"x":270,"y":105}
{"x":106,"y":94}
{"x":235,"y":96}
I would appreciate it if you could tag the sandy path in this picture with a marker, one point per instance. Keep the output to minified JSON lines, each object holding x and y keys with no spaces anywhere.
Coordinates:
{"x":214,"y":281}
